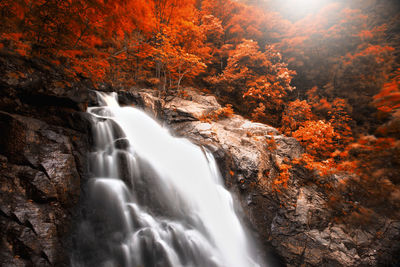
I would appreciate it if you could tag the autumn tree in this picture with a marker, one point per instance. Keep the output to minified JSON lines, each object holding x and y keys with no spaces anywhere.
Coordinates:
{"x":213,"y":33}
{"x":176,"y":62}
{"x":295,"y":114}
{"x":261,"y":79}
{"x":38,"y":28}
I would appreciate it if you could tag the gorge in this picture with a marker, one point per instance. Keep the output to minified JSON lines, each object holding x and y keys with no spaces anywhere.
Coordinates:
{"x":46,"y":140}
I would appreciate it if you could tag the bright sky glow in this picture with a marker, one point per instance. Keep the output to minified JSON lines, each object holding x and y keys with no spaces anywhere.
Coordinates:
{"x":297,"y":9}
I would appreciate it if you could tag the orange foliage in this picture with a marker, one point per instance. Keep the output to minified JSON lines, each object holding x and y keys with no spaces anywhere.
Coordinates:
{"x":100,"y":33}
{"x":295,"y":114}
{"x":318,"y":137}
{"x":378,"y":52}
{"x":388,"y":99}
{"x":373,"y":175}
{"x":260,"y":78}
{"x":284,"y":175}
{"x":271,"y":144}
{"x":224,"y":112}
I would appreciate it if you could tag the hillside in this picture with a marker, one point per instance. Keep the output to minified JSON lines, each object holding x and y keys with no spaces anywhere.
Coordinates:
{"x":299,"y":103}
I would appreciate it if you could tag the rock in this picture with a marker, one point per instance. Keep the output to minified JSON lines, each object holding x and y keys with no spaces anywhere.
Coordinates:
{"x":32,"y":142}
{"x":42,"y":160}
{"x":122,"y":143}
{"x":295,"y":222}
{"x":203,"y":127}
{"x":145,"y":99}
{"x":38,"y":186}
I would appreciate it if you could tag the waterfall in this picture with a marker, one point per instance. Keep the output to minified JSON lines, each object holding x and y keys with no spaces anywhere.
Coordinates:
{"x":154,"y":199}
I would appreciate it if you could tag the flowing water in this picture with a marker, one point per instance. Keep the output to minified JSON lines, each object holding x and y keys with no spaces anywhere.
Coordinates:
{"x":154,"y":200}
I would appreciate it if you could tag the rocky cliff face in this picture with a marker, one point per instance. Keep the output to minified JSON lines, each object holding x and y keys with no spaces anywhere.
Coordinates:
{"x":295,"y":221}
{"x":43,"y":146}
{"x":45,"y":136}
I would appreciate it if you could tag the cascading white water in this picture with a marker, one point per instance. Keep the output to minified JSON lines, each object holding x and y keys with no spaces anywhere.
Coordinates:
{"x":155,"y":200}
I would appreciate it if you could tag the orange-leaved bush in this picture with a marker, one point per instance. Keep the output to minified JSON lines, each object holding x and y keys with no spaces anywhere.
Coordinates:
{"x":215,"y":115}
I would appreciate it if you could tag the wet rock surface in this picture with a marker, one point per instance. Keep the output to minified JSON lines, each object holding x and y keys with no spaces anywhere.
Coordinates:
{"x":43,"y":147}
{"x":295,"y":222}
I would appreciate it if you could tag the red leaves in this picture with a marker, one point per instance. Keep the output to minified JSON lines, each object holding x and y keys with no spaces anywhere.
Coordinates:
{"x":318,"y":137}
{"x":260,"y":77}
{"x":213,"y":30}
{"x":283,"y":177}
{"x":378,"y":52}
{"x":388,"y":100}
{"x":296,"y":113}
{"x":271,"y":144}
{"x":224,"y":112}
